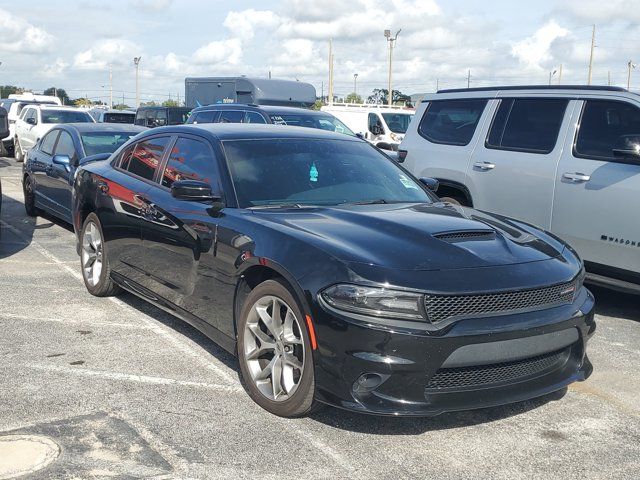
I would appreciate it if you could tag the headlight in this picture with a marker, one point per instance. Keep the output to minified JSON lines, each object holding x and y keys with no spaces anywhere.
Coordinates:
{"x":377,"y":302}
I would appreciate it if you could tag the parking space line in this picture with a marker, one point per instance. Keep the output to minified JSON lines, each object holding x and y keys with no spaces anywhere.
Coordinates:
{"x":73,"y":321}
{"x":127,"y":377}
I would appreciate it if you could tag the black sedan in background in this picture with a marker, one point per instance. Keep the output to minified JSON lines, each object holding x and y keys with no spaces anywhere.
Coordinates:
{"x":50,"y":165}
{"x":333,"y":274}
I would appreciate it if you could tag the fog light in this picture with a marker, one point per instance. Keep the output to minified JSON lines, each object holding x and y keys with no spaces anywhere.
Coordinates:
{"x":368,"y":382}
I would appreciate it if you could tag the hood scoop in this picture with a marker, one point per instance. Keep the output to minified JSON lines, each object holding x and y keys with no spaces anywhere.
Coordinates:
{"x":465,"y":235}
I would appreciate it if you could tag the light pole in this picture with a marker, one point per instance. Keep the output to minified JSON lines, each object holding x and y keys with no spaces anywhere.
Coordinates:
{"x":136,"y":61}
{"x":355,"y":84}
{"x":630,"y":66}
{"x":551,"y":74}
{"x":391,"y":40}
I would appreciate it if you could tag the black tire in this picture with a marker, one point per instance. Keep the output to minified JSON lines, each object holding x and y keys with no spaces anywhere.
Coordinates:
{"x":18,"y":152}
{"x":302,"y":401}
{"x":104,"y":286}
{"x":29,"y":197}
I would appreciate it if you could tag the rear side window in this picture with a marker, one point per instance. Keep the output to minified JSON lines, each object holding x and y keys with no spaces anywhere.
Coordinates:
{"x":604,"y":126}
{"x":451,"y":122}
{"x":189,"y":160}
{"x":207,"y":116}
{"x":49,"y":140}
{"x":527,"y":124}
{"x":144,"y":158}
{"x":231,"y":116}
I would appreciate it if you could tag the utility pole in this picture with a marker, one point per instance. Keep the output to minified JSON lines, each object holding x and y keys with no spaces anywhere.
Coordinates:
{"x":593,"y":45}
{"x":136,"y":61}
{"x":355,"y":84}
{"x":322,"y":90}
{"x":609,"y":77}
{"x":469,"y":78}
{"x":110,"y":87}
{"x":179,"y":99}
{"x":330,"y":72}
{"x":437,"y":84}
{"x":630,"y":65}
{"x":560,"y":75}
{"x":551,"y":74}
{"x":391,"y":40}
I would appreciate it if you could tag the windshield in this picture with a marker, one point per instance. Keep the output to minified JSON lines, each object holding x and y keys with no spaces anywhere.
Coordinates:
{"x":397,"y":122}
{"x":65,"y":116}
{"x":316,"y":172}
{"x":178,"y":117}
{"x":104,"y":142}
{"x":322,"y":122}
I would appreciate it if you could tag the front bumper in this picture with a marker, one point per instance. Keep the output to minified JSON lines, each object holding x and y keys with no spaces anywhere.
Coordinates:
{"x":471,"y":364}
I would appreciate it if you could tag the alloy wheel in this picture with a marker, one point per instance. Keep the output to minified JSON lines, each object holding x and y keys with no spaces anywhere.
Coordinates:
{"x":92,"y":253}
{"x":274,"y":348}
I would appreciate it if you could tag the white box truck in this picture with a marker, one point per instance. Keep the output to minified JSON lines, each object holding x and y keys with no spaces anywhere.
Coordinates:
{"x":382,"y":125}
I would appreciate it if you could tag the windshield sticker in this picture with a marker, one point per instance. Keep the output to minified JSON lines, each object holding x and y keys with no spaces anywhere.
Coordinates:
{"x":407,"y":183}
{"x":313,"y":173}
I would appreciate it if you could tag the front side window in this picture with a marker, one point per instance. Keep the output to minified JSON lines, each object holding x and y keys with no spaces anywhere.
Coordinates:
{"x":189,"y":160}
{"x":317,"y":172}
{"x":397,"y":122}
{"x":177,"y":116}
{"x":65,"y":146}
{"x":527,"y":124}
{"x":65,"y":116}
{"x":48,"y":141}
{"x":451,"y":122}
{"x":231,"y":116}
{"x":144,"y":158}
{"x":604,"y":126}
{"x":104,"y":142}
{"x":253,"y":117}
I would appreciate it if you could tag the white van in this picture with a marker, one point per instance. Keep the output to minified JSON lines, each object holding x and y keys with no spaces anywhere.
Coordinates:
{"x":565,"y":158}
{"x":382,"y":125}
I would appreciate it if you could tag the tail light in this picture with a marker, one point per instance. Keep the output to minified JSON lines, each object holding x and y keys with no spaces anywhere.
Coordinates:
{"x":402,"y":154}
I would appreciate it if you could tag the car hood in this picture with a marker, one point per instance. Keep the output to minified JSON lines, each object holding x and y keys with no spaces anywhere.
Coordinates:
{"x":415,"y":237}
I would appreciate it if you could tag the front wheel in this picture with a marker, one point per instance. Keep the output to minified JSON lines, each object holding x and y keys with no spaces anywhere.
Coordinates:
{"x":275,"y":353}
{"x":94,"y":260}
{"x":18,"y":152}
{"x":28,"y":189}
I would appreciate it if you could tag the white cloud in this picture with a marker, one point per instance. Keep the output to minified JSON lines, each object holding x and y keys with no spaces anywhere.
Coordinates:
{"x":20,"y":36}
{"x":602,"y":12}
{"x":534,"y":50}
{"x":243,"y":24}
{"x":219,"y":51}
{"x":151,"y":5}
{"x":56,"y":68}
{"x":105,"y":52}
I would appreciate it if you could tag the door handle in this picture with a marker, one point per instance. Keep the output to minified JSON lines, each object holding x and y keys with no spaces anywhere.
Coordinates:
{"x":576,"y":177}
{"x":484,"y":166}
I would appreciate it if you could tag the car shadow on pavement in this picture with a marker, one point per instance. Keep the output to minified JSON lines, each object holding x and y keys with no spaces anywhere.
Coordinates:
{"x":16,"y":229}
{"x":391,"y":425}
{"x":611,"y":303}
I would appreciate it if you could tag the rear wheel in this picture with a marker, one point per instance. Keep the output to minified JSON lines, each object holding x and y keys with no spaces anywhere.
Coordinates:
{"x":275,"y":351}
{"x":94,"y":260}
{"x":19,"y":154}
{"x":29,"y":197}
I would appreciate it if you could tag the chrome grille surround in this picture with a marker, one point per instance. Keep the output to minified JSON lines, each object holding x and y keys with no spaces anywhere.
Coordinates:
{"x":453,"y":307}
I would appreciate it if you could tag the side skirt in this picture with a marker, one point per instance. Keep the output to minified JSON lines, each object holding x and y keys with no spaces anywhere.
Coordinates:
{"x":211,"y":332}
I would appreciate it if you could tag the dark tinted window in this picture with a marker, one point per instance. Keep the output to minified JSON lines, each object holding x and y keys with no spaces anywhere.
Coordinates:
{"x":527,"y":124}
{"x":49,"y":140}
{"x":231,"y":116}
{"x":65,"y":146}
{"x":374,"y":121}
{"x":208,"y":116}
{"x":452,"y":122}
{"x":104,"y":142}
{"x":160,"y":118}
{"x":118,"y":117}
{"x":602,"y":125}
{"x":253,"y":117}
{"x":145,"y":157}
{"x":65,"y":116}
{"x":189,"y":160}
{"x":397,"y":122}
{"x":317,"y":172}
{"x":178,"y":116}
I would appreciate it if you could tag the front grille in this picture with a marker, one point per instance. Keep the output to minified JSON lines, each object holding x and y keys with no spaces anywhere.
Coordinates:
{"x":448,"y":307}
{"x":466,"y":235}
{"x":498,"y":373}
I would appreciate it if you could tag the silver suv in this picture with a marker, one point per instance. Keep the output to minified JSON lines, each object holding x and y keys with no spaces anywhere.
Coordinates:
{"x":564,"y":158}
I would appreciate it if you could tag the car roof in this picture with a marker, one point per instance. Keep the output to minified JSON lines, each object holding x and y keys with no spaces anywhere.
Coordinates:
{"x":52,"y":106}
{"x":86,"y":127}
{"x":227,"y":106}
{"x":160,"y":107}
{"x":271,"y":109}
{"x":251,"y":131}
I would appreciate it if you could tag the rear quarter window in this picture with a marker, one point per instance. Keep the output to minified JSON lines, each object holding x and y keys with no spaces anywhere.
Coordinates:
{"x":451,"y":122}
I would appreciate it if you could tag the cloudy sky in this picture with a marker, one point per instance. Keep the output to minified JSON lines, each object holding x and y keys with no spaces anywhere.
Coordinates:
{"x":70,"y":44}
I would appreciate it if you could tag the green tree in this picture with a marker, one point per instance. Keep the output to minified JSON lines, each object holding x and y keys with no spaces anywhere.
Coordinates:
{"x":150,"y":103}
{"x":353,"y":98}
{"x":170,"y":103}
{"x":6,"y":90}
{"x":83,"y":102}
{"x":317,"y":105}
{"x":122,"y":106}
{"x":380,"y":95}
{"x":60,"y":93}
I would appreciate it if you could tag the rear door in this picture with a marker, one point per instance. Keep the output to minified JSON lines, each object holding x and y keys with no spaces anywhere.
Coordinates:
{"x":512,"y":172}
{"x":597,"y":202}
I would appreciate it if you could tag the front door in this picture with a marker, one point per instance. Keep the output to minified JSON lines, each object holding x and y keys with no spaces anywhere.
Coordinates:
{"x":57,"y":181}
{"x":596,"y":200}
{"x":179,"y":235}
{"x":512,"y":172}
{"x":39,"y":165}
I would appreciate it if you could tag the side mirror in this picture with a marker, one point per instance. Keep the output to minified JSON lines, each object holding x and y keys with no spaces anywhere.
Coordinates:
{"x":377,"y":130}
{"x":627,"y":147}
{"x":193,"y":190}
{"x":431,"y":183}
{"x":63,"y":160}
{"x":31,"y":121}
{"x":360,"y":135}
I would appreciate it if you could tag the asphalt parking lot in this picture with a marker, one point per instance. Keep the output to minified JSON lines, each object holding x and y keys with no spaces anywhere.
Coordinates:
{"x":127,"y":391}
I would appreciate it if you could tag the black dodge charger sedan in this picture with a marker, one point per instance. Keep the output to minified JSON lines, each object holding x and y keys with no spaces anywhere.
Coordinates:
{"x":333,"y":274}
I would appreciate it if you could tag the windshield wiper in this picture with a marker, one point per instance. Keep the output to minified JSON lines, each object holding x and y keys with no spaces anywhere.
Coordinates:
{"x":279,"y":205}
